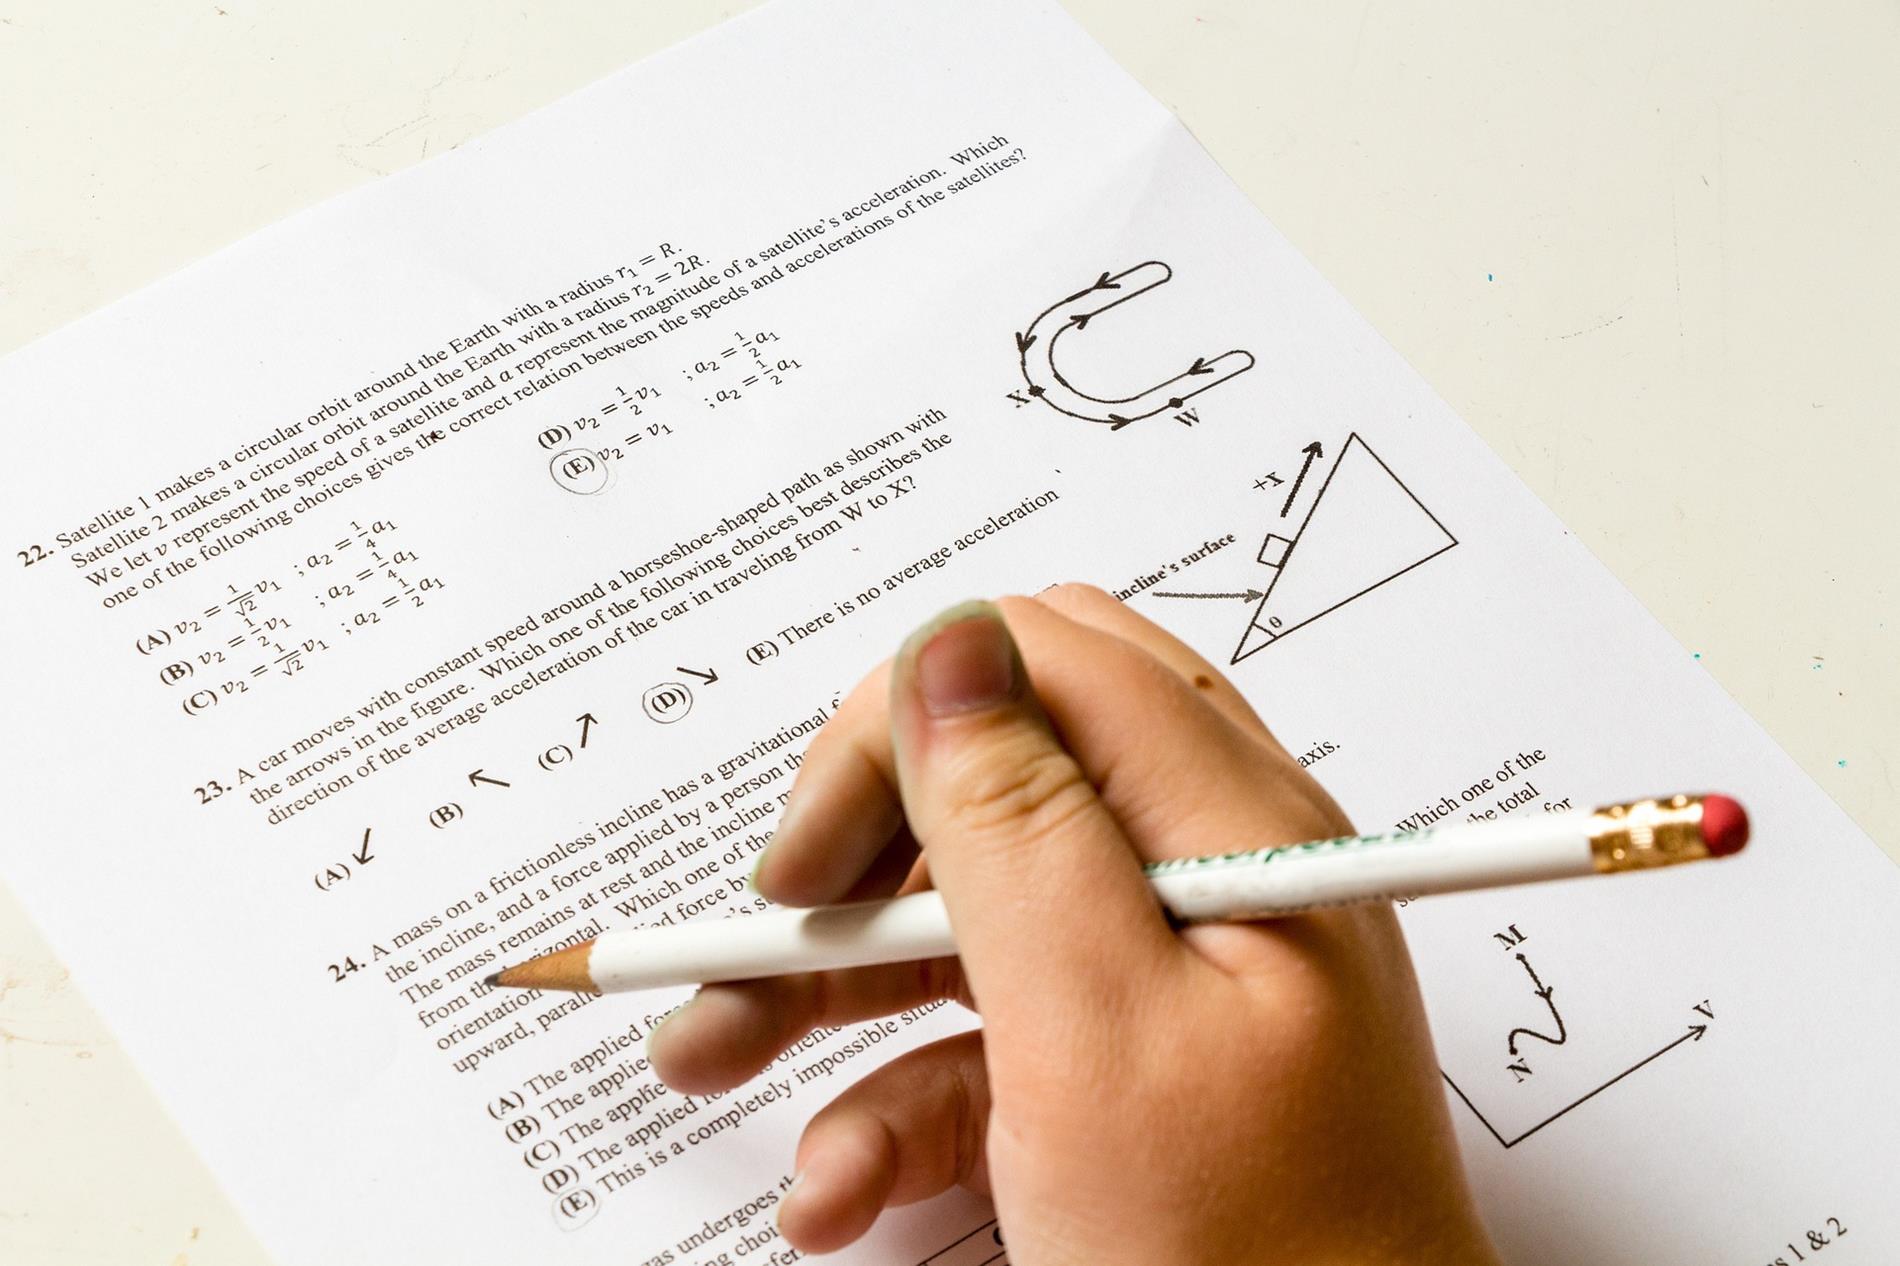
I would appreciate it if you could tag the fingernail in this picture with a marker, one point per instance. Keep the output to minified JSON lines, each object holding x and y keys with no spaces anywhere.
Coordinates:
{"x":758,"y":868}
{"x":965,"y":661}
{"x":779,"y":831}
{"x":803,"y":1191}
{"x":798,"y":1180}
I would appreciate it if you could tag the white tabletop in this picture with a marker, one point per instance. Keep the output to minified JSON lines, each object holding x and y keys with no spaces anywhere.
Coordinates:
{"x":1646,"y":250}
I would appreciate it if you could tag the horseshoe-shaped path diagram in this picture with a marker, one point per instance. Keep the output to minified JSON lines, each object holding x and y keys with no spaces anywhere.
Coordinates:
{"x":1036,"y":351}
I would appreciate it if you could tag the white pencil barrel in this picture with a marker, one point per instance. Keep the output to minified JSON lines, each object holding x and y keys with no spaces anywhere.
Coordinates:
{"x":1454,"y":859}
{"x":773,"y":943}
{"x":1284,"y":881}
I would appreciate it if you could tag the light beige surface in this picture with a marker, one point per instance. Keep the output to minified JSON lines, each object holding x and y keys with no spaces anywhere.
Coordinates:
{"x":1646,"y":250}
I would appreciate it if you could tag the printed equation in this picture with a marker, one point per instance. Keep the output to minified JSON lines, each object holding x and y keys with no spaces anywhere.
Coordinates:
{"x":588,"y":448}
{"x":269,"y":629}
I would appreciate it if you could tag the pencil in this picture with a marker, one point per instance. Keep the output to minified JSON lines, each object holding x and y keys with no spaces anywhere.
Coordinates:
{"x":1229,"y":887}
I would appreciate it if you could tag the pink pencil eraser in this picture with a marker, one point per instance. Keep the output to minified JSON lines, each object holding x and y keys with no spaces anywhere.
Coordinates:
{"x":1724,"y":826}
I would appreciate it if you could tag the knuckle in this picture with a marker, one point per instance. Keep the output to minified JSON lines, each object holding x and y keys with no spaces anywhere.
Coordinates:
{"x":858,"y":711}
{"x":1075,"y":595}
{"x":1092,"y":593}
{"x":868,"y":697}
{"x":1014,"y":606}
{"x":1023,"y":786}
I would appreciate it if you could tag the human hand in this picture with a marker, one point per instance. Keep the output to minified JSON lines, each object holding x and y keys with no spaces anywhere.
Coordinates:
{"x":1227,"y":1094}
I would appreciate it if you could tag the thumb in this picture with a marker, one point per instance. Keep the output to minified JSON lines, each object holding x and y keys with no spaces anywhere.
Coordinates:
{"x":1045,"y":892}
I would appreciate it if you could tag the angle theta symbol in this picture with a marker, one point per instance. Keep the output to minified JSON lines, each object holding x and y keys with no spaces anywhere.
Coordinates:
{"x":1036,"y":354}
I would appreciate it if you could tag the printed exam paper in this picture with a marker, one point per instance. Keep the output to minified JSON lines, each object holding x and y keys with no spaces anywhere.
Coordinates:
{"x":459,"y":568}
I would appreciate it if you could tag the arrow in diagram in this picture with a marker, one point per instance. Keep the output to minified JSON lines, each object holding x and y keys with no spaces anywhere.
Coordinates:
{"x":1544,"y":991}
{"x":1251,"y":595}
{"x":1036,"y":354}
{"x":1313,"y":454}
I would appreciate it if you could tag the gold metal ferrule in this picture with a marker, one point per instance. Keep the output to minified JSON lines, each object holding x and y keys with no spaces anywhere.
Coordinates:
{"x":1647,"y":833}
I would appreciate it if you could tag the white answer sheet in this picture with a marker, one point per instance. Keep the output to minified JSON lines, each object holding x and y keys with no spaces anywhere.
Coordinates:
{"x":459,"y":567}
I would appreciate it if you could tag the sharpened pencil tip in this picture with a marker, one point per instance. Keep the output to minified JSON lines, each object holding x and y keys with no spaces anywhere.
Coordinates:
{"x":564,"y":968}
{"x":492,"y":979}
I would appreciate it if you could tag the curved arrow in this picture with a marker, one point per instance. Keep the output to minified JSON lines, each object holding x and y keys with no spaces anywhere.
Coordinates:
{"x":1543,"y":991}
{"x":1036,"y":352}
